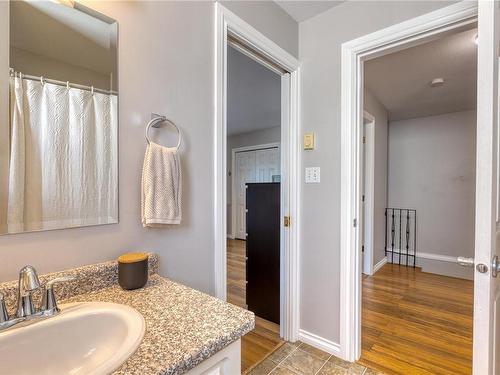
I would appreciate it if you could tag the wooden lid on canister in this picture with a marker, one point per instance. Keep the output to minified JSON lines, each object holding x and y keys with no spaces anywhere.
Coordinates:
{"x":132,"y":257}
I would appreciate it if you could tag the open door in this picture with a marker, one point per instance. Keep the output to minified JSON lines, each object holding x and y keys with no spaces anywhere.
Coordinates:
{"x":284,"y":193}
{"x":487,"y":278}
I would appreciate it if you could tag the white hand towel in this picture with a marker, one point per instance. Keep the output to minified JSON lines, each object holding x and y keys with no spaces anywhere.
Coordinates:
{"x":161,"y":186}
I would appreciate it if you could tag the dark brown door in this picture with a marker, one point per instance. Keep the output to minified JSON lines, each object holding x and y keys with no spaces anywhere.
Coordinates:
{"x":263,"y":250}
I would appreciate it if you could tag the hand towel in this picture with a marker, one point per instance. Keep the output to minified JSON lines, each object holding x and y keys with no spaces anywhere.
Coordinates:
{"x":161,"y":186}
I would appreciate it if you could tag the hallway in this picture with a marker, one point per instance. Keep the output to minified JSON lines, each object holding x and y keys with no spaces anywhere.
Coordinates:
{"x":416,"y":323}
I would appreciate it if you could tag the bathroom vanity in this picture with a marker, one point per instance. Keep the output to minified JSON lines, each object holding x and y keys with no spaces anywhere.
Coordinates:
{"x":186,"y":331}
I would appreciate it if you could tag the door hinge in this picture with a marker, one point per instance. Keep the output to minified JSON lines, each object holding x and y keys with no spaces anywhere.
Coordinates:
{"x":354,"y":223}
{"x":364,"y":139}
{"x":362,"y":248}
{"x":286,"y":221}
{"x":363,"y":198}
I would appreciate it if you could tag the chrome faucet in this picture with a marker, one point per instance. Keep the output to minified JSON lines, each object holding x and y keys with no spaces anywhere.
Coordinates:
{"x":28,"y":283}
{"x":4,"y":315}
{"x":26,"y":312}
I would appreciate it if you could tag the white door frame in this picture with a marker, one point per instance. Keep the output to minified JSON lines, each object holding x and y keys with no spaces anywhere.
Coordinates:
{"x":388,"y":40}
{"x":226,"y":23}
{"x":233,"y":174}
{"x":369,"y":187}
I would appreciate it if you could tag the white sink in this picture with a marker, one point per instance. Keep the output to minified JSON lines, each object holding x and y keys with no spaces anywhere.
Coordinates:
{"x":85,"y":338}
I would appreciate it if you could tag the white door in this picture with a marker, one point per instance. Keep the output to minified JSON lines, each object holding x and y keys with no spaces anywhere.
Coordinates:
{"x":486,"y":343}
{"x":267,"y":164}
{"x":245,"y":172}
{"x":252,"y":166}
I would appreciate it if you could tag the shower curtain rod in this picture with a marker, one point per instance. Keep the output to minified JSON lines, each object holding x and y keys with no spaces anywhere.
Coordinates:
{"x":62,"y":83}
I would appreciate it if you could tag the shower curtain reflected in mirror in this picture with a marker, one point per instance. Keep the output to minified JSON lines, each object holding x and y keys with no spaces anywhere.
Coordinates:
{"x":63,"y":157}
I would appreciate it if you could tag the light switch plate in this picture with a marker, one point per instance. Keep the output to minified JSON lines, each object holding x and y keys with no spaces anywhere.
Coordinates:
{"x":313,"y":175}
{"x":309,"y":141}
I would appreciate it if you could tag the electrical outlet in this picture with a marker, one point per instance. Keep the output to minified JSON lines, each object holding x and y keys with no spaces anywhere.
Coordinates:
{"x":313,"y":175}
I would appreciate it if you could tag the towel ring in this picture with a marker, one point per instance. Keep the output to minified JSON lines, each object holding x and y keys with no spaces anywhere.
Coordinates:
{"x":155,"y":123}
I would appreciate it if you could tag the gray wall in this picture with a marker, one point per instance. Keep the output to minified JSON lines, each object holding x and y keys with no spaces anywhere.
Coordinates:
{"x":271,"y":20}
{"x":258,"y":137}
{"x":432,"y":164}
{"x":376,"y":109}
{"x":180,"y":85}
{"x":171,"y":74}
{"x":320,"y":40}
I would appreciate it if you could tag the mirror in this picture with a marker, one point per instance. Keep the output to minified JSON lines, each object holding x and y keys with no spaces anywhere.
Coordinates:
{"x":59,"y":158}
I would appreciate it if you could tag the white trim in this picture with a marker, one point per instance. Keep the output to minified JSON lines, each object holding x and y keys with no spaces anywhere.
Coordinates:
{"x":233,"y":186}
{"x":379,"y":265}
{"x":255,"y":57}
{"x":369,"y":188}
{"x":367,"y":115}
{"x":227,"y":22}
{"x":441,"y":258}
{"x":319,"y":342}
{"x":391,"y":39}
{"x":430,"y":256}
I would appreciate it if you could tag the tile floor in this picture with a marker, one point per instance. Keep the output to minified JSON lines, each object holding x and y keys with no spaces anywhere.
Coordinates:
{"x":302,"y":359}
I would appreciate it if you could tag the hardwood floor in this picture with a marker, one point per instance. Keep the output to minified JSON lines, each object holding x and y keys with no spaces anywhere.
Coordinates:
{"x":236,"y":273}
{"x":265,"y":338}
{"x":413,"y":323}
{"x":416,"y":322}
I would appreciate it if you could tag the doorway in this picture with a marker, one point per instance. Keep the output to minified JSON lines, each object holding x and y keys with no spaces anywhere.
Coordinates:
{"x":254,"y":198}
{"x":417,"y":308}
{"x":233,"y":33}
{"x":395,"y":38}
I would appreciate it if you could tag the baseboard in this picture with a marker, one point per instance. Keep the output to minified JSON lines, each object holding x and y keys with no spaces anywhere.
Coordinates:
{"x":432,"y":256}
{"x":442,"y":258}
{"x":230,"y":236}
{"x":379,"y":265}
{"x":445,"y":265}
{"x":320,"y":342}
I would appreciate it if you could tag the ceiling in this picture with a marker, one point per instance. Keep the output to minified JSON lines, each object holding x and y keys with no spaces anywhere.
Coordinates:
{"x":303,"y":10}
{"x":254,"y":95}
{"x":401,"y":80}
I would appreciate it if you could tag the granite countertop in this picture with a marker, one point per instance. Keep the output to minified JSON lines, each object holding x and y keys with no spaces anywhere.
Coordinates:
{"x":183,"y":326}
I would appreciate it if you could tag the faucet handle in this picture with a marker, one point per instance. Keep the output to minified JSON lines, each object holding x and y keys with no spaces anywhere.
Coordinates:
{"x":49,"y":303}
{"x":4,"y":315}
{"x":62,"y":279}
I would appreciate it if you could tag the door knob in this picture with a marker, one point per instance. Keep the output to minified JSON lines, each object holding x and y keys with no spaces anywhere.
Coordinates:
{"x":495,"y":266}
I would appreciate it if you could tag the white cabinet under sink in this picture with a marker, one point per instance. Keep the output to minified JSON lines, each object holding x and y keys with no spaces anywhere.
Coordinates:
{"x":225,"y":362}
